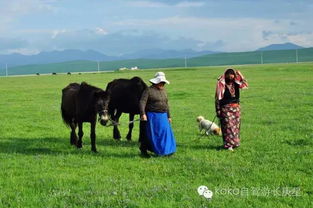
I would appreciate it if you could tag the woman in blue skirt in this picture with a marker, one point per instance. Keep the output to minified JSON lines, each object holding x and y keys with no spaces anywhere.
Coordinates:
{"x":154,"y":109}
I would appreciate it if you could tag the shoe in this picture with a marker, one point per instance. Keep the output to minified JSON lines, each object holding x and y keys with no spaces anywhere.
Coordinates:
{"x":145,"y":154}
{"x":230,"y":149}
{"x":169,"y":155}
{"x":236,"y":146}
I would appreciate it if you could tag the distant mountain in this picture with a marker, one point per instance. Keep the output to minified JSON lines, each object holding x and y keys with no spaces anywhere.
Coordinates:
{"x":16,"y":59}
{"x":53,"y":57}
{"x":226,"y":59}
{"x":77,"y":55}
{"x":73,"y":55}
{"x":165,"y":54}
{"x":284,"y":46}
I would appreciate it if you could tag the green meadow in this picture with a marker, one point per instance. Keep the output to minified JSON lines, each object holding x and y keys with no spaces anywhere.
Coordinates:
{"x":272,"y":168}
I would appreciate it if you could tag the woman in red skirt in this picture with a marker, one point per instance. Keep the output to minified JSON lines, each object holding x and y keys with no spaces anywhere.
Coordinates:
{"x":227,"y":100}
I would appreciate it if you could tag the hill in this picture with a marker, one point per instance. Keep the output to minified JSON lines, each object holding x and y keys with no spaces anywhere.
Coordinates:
{"x":16,"y":59}
{"x":165,"y":54}
{"x":284,"y":46}
{"x":53,"y":57}
{"x":253,"y":57}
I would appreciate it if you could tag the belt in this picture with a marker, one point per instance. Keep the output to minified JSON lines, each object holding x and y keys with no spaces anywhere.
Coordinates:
{"x":233,"y":104}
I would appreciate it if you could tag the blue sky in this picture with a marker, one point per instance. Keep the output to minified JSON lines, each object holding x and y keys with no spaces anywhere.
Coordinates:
{"x":116,"y":27}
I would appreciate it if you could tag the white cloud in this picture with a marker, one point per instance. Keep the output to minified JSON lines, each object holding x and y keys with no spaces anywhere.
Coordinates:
{"x":12,"y":43}
{"x":55,"y":33}
{"x":24,"y":51}
{"x":22,"y":7}
{"x":12,"y":10}
{"x":187,"y":4}
{"x":147,"y":4}
{"x":238,"y":34}
{"x":304,"y":39}
{"x":224,"y":25}
{"x":101,"y":31}
{"x":157,"y":4}
{"x":121,"y":42}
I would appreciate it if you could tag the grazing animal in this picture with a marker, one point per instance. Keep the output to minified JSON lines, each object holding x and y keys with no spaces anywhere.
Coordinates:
{"x":81,"y":103}
{"x":209,"y":126}
{"x":124,"y":95}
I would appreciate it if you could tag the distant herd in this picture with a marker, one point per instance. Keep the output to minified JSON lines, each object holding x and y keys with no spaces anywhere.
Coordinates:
{"x":82,"y":102}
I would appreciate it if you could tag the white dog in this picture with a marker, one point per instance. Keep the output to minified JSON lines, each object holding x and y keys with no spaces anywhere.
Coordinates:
{"x":209,"y":126}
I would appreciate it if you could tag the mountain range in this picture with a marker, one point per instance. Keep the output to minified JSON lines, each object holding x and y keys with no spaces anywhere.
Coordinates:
{"x":16,"y":59}
{"x":217,"y":59}
{"x":284,"y":46}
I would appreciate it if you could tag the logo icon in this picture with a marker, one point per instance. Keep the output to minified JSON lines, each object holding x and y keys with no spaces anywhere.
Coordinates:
{"x":205,"y":192}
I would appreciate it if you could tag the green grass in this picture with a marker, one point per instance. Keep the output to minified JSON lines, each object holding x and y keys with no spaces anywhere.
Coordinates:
{"x":39,"y":168}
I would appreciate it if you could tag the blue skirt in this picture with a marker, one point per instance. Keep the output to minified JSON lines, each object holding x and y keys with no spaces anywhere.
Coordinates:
{"x":160,"y":134}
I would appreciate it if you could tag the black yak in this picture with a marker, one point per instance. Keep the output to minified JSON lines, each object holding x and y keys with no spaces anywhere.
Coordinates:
{"x":124,"y":95}
{"x":81,"y":103}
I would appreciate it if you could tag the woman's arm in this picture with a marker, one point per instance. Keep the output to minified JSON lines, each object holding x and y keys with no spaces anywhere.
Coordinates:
{"x":217,"y":103}
{"x":143,"y":103}
{"x":243,"y":84}
{"x":217,"y":108}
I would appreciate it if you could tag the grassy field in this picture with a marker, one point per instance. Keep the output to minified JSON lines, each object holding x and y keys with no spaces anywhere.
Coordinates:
{"x":272,"y":168}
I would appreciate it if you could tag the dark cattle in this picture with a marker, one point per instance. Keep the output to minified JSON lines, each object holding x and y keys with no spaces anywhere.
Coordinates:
{"x":124,"y":96}
{"x":81,"y":103}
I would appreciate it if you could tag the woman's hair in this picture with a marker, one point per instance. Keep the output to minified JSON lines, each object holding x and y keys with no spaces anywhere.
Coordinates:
{"x":230,"y":71}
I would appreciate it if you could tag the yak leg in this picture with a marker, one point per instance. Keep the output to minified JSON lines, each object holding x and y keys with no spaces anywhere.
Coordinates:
{"x":80,"y":135}
{"x":116,"y":132}
{"x":73,"y":140}
{"x":93,"y":136}
{"x":130,"y":126}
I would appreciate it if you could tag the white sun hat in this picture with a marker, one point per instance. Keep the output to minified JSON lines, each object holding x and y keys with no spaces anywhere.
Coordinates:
{"x":159,"y":77}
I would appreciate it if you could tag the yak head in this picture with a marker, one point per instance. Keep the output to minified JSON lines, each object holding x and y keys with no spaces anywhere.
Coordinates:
{"x":102,"y":105}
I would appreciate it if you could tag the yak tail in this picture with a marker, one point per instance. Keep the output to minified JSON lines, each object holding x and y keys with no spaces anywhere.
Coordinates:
{"x":68,"y":93}
{"x":67,"y":119}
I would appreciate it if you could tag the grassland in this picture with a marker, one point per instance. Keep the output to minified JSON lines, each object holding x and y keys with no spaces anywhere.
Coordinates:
{"x":272,"y":168}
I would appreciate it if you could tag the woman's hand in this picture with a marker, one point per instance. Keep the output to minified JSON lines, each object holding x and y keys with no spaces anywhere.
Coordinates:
{"x":143,"y":117}
{"x":170,"y":120}
{"x":218,"y":114}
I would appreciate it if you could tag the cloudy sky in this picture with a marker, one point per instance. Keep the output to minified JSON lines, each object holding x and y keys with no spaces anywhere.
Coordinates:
{"x":115,"y":27}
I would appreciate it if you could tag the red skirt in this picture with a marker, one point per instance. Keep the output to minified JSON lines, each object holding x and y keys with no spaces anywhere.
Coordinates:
{"x":230,"y":125}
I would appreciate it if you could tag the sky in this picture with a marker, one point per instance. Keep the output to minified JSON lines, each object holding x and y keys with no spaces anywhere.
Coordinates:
{"x":117,"y":27}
